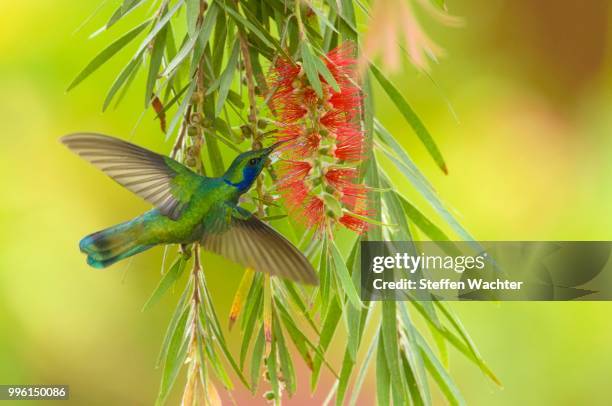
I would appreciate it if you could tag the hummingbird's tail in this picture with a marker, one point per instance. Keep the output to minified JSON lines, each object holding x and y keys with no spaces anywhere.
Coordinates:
{"x":104,"y":248}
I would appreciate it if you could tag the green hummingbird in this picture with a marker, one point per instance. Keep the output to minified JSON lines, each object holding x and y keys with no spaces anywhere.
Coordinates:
{"x":188,"y":208}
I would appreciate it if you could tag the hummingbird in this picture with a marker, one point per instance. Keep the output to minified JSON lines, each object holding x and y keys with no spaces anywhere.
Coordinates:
{"x":188,"y":208}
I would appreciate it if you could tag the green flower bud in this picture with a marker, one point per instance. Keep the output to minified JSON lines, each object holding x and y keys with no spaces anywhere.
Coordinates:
{"x":196,"y":118}
{"x":262,"y":123}
{"x":247,"y":132}
{"x":192,"y":131}
{"x":332,"y":205}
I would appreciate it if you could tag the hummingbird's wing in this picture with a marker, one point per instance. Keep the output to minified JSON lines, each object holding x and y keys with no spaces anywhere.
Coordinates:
{"x":243,"y":238}
{"x":158,"y":179}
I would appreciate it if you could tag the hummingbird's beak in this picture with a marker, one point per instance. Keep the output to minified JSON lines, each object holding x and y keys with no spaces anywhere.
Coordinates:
{"x":276,"y":145}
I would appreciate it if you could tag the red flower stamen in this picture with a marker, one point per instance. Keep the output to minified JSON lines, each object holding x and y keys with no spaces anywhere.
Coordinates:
{"x":319,"y":128}
{"x":314,"y":213}
{"x":340,"y":177}
{"x":293,"y":171}
{"x":349,"y":143}
{"x":353,"y":223}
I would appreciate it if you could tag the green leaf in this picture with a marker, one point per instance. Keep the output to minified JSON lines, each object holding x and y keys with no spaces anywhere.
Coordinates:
{"x":383,"y":381}
{"x":177,"y":352}
{"x":125,"y":87}
{"x":178,"y":115}
{"x":252,"y":311}
{"x":404,"y":164}
{"x":256,"y":359}
{"x":175,"y":272}
{"x":178,"y":312}
{"x":396,"y":213}
{"x":325,"y":278}
{"x":391,"y":344}
{"x":272,"y":368}
{"x":413,"y":356}
{"x":173,"y":101}
{"x":411,"y":117}
{"x":363,"y":371}
{"x":439,"y":374}
{"x":345,"y":278}
{"x":455,"y":341}
{"x":415,"y":395}
{"x":159,"y":26}
{"x":252,"y":25}
{"x":157,"y":55}
{"x":201,"y":40}
{"x":310,"y":67}
{"x":212,"y":147}
{"x":299,"y":338}
{"x":108,"y":53}
{"x":323,"y":71}
{"x":372,"y":179}
{"x":348,"y":27}
{"x":345,"y":373}
{"x":430,"y":229}
{"x":285,"y":358}
{"x":215,"y":327}
{"x":124,"y":76}
{"x":330,"y":323}
{"x":227,"y":77}
{"x":193,"y":11}
{"x":123,"y":10}
{"x":456,"y":323}
{"x":218,"y":45}
{"x":354,"y":316}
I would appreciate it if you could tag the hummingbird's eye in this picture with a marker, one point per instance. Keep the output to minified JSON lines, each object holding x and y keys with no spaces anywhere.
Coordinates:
{"x":254,"y":161}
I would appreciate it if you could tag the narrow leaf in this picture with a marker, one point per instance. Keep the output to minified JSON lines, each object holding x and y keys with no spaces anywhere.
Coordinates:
{"x":310,"y":67}
{"x":440,"y":375}
{"x":330,"y":323}
{"x":391,"y":344}
{"x":345,"y":278}
{"x":157,"y":55}
{"x":124,"y":76}
{"x":411,"y":117}
{"x":383,"y":383}
{"x":177,"y":352}
{"x":239,"y":297}
{"x":256,"y":359}
{"x":175,"y":272}
{"x":227,"y":77}
{"x":108,"y":53}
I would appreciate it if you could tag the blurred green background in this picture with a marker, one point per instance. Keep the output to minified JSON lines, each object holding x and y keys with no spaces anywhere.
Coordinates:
{"x":528,"y":143}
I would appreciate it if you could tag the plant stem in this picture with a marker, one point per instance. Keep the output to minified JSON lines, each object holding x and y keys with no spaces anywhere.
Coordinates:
{"x":250,"y":83}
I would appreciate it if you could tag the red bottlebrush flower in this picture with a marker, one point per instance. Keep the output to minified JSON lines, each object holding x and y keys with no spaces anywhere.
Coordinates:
{"x":320,"y":131}
{"x":341,"y":64}
{"x":300,"y":143}
{"x":359,"y":207}
{"x":354,"y":195}
{"x":334,"y":119}
{"x":314,"y":213}
{"x":348,"y":100}
{"x":349,"y":143}
{"x":294,"y":194}
{"x":340,"y":177}
{"x":283,"y":74}
{"x":293,"y":171}
{"x":354,"y":223}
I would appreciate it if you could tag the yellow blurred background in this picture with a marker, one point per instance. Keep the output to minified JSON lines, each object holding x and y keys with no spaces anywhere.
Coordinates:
{"x":528,"y":143}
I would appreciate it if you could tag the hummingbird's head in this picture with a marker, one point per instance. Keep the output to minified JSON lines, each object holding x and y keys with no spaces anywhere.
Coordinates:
{"x":247,"y":166}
